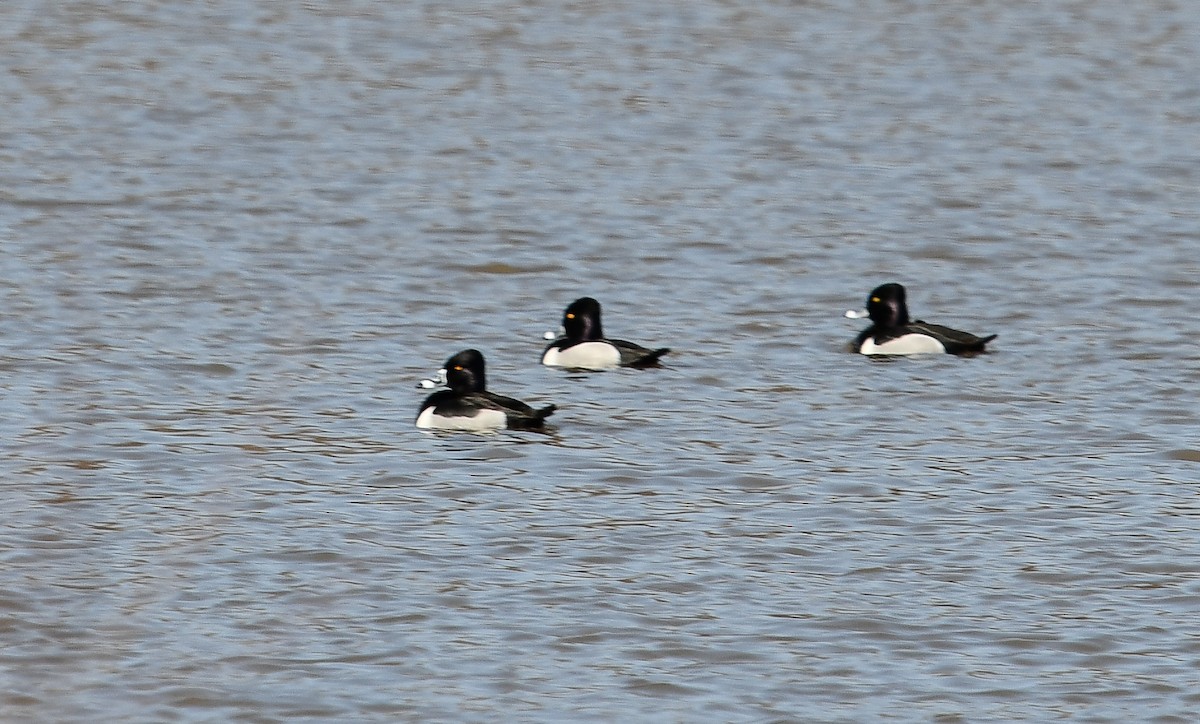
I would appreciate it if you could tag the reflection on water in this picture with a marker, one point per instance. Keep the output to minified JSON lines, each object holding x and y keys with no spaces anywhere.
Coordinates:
{"x":237,"y":235}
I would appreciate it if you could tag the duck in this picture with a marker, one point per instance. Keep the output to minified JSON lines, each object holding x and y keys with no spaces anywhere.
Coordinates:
{"x":468,"y":405}
{"x":584,"y":346}
{"x":891,"y":333}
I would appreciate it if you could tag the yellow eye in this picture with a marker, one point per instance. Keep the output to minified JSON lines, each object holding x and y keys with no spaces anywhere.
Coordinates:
{"x":875,"y":299}
{"x":570,"y":315}
{"x":458,"y":368}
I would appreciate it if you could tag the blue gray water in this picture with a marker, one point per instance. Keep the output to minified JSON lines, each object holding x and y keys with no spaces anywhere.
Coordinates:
{"x":235,"y":234}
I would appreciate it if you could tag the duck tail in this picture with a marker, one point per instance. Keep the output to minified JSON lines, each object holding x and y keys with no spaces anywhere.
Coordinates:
{"x":532,"y":420}
{"x":651,"y":358}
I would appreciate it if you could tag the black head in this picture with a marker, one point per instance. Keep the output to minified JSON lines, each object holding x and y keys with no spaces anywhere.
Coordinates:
{"x":465,"y":372}
{"x":582,"y":320}
{"x":887,"y":306}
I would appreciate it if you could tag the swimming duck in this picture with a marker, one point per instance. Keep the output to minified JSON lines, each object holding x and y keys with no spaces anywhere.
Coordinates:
{"x":584,"y":346}
{"x":467,"y":404}
{"x":892,"y":333}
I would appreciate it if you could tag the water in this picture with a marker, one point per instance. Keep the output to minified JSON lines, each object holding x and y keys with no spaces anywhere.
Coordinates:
{"x":237,"y":234}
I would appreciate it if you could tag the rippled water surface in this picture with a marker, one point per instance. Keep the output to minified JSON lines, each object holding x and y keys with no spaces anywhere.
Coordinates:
{"x":235,"y":235}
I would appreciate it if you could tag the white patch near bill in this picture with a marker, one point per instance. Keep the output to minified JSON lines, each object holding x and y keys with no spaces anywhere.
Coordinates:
{"x":908,"y":344}
{"x":483,"y":420}
{"x":584,"y":356}
{"x":852,"y":314}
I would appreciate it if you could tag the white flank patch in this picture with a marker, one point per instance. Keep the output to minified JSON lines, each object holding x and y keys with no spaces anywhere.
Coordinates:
{"x":483,"y":420}
{"x":584,"y":356}
{"x":908,"y":344}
